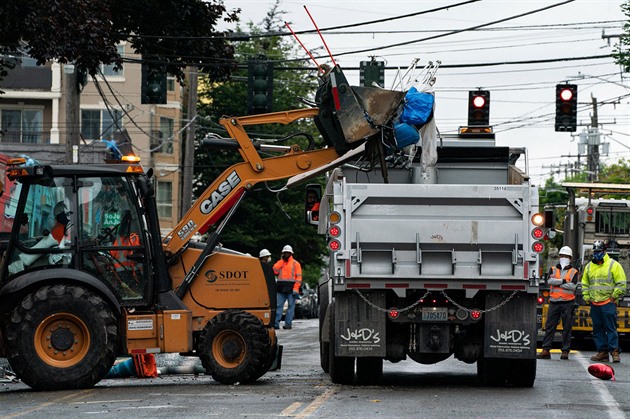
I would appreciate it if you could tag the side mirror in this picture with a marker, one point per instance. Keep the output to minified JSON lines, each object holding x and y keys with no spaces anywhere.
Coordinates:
{"x":311,"y":203}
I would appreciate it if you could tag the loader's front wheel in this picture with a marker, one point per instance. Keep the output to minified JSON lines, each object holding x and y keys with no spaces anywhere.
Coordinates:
{"x":233,"y":347}
{"x":62,"y":337}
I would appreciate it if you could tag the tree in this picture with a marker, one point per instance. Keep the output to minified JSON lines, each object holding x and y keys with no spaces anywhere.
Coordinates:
{"x":621,"y":50}
{"x":263,"y":217}
{"x":173,"y":34}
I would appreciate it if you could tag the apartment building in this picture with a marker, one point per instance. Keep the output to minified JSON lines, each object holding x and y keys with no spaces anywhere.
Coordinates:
{"x":36,"y":103}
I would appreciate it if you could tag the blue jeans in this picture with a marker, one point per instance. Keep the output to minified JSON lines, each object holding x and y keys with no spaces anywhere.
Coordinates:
{"x":605,"y":327}
{"x":281,"y":298}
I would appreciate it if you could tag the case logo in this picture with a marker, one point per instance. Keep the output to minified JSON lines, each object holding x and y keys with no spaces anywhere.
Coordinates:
{"x":220,"y":192}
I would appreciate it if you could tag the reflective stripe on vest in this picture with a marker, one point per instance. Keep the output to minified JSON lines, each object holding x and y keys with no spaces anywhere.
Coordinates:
{"x":558,"y":293}
{"x":601,"y":283}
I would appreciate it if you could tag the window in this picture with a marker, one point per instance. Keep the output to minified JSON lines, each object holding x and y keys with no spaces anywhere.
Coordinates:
{"x":21,"y":126}
{"x":612,"y":222}
{"x":170,"y":83}
{"x":166,"y":131}
{"x":97,"y":124}
{"x":108,"y":70}
{"x":165,"y":199}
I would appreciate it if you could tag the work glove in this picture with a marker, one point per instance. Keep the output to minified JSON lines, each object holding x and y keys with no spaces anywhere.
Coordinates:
{"x":296,"y":295}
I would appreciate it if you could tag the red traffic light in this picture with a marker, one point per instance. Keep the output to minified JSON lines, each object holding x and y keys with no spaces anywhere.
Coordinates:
{"x":479,"y":108}
{"x":566,"y":94}
{"x":479,"y":101}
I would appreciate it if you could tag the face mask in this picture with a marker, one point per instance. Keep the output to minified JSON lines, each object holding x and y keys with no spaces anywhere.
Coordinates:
{"x":598,"y":256}
{"x":564,"y":262}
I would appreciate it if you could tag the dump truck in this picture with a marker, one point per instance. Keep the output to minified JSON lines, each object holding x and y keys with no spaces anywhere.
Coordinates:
{"x":428,"y":263}
{"x":602,"y":213}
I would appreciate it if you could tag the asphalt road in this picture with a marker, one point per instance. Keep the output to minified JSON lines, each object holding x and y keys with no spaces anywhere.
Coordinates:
{"x":563,"y":389}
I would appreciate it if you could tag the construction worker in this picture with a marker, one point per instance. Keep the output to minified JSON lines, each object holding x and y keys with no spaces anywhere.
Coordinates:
{"x":312,"y":204}
{"x":288,"y":272}
{"x":603,"y":282}
{"x":61,"y":221}
{"x":125,"y":238}
{"x":265,"y":256}
{"x":563,"y":280}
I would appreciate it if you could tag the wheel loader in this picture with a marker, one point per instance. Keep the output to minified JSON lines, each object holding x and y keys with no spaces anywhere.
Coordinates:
{"x":71,"y":303}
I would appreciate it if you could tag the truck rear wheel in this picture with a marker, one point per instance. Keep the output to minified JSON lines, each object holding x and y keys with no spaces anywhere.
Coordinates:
{"x":233,"y":347}
{"x":324,"y":347}
{"x":369,"y":370}
{"x":341,"y":368}
{"x":522,"y":372}
{"x":62,"y":337}
{"x":500,"y":372}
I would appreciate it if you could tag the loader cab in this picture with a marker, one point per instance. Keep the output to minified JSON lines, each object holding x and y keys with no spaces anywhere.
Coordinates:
{"x":85,"y":219}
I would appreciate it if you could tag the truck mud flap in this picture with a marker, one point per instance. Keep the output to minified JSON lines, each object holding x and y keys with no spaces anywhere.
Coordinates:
{"x":510,"y":330}
{"x":360,"y":328}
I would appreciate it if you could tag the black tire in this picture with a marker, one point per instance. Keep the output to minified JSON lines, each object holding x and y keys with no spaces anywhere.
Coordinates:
{"x":341,"y":368}
{"x":323,"y":346}
{"x":369,"y":370}
{"x":233,"y":347}
{"x":62,"y":337}
{"x":491,"y":372}
{"x":522,"y":372}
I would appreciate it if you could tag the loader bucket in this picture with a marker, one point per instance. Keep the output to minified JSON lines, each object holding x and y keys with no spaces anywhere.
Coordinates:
{"x":350,"y":114}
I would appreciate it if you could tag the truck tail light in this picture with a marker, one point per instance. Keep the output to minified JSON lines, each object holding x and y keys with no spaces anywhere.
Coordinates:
{"x":334,"y":231}
{"x":538,"y":233}
{"x":538,"y":247}
{"x":334,"y":217}
{"x":334,"y":245}
{"x":393,"y":313}
{"x":538,"y":219}
{"x":540,"y":300}
{"x":475,"y":314}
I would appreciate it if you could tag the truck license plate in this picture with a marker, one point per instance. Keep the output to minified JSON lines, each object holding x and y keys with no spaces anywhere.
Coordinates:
{"x":434,"y":314}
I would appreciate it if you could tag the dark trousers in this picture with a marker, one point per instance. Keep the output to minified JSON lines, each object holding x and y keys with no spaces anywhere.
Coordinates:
{"x":559,"y":310}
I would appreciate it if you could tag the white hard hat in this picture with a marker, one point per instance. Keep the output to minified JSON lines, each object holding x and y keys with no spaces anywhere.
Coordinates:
{"x":566,"y":250}
{"x":264,"y":253}
{"x":60,"y":207}
{"x":287,"y":248}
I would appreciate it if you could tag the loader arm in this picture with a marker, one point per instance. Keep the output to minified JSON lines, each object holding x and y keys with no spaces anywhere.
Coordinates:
{"x":226,"y":190}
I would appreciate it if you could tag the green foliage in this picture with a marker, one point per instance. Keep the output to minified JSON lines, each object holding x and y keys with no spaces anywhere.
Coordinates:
{"x":621,"y":51}
{"x":264,"y":219}
{"x":86,"y":32}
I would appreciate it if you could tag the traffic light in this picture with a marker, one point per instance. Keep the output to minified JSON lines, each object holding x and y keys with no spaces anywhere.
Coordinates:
{"x":566,"y":108}
{"x":153,"y":90}
{"x":372,"y":72}
{"x":259,"y":87}
{"x":479,"y":107}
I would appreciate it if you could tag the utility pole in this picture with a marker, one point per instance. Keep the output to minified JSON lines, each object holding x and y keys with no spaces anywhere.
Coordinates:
{"x":593,"y":145}
{"x":188,"y":162}
{"x":73,"y":117}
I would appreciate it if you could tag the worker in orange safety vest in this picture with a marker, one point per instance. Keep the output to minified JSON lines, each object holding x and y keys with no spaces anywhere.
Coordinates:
{"x":563,"y":280}
{"x":288,"y":273}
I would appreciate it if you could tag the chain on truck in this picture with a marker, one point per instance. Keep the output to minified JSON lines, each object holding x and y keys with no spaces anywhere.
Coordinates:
{"x":603,"y":215}
{"x":427,"y":262}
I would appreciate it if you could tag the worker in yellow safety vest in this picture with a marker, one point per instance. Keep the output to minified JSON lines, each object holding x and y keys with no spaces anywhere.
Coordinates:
{"x":563,"y":280}
{"x":603,"y":283}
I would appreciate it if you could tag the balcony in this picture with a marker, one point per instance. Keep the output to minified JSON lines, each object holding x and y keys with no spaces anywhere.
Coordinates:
{"x":27,"y":78}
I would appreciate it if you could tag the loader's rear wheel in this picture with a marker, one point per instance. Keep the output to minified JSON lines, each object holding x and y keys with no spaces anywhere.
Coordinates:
{"x":62,"y":337}
{"x":234,"y":347}
{"x":341,"y":368}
